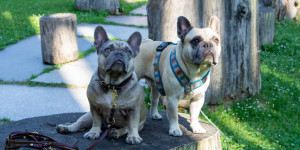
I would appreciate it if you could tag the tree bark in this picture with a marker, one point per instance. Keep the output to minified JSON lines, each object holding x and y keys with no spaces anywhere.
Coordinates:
{"x":238,"y":72}
{"x":58,"y":38}
{"x":266,"y":25}
{"x":98,"y":5}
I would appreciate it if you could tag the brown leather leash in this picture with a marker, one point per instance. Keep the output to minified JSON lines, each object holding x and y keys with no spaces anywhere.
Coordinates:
{"x":17,"y":139}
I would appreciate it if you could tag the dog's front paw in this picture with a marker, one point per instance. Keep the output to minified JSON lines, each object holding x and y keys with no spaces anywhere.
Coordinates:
{"x":196,"y":127}
{"x":113,"y":133}
{"x":93,"y":134}
{"x":156,"y":116}
{"x":175,"y":131}
{"x":62,"y":128}
{"x":134,"y":140}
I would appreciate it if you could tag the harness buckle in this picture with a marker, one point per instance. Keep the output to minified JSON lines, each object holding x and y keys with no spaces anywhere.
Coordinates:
{"x":162,"y":46}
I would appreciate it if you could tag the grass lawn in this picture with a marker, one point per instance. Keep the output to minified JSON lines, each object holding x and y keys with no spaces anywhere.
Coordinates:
{"x":269,"y":120}
{"x":20,"y":19}
{"x":4,"y":121}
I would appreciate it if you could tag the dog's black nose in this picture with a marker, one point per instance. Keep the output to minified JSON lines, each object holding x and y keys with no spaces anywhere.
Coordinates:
{"x":207,"y":45}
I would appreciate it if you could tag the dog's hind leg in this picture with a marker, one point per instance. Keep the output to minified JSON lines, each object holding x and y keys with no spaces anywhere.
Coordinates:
{"x":85,"y":121}
{"x":154,"y":97}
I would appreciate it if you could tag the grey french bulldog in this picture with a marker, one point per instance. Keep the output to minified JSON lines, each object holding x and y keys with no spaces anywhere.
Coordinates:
{"x":115,"y":70}
{"x":196,"y":52}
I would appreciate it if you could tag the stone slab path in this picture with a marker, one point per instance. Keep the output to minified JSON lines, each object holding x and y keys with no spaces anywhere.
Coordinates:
{"x":77,"y":73}
{"x":140,"y":11}
{"x":19,"y":102}
{"x":119,"y":32}
{"x":129,"y":20}
{"x":22,"y":60}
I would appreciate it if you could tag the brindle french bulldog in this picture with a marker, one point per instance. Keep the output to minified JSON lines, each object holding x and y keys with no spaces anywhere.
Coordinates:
{"x":115,"y":71}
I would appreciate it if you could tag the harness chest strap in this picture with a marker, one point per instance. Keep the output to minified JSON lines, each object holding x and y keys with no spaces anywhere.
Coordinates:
{"x":182,"y":78}
{"x":157,"y":77}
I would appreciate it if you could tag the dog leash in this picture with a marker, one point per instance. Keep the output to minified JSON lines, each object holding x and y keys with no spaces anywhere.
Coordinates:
{"x":110,"y":120}
{"x":216,"y":127}
{"x":17,"y":139}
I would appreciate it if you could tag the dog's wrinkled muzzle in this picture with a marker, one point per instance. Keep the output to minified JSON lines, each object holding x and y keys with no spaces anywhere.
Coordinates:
{"x":206,"y":53}
{"x":116,"y":62}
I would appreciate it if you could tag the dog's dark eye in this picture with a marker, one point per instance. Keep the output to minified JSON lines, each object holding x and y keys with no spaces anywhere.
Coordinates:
{"x":195,"y":42}
{"x":129,"y":52}
{"x":216,"y":40}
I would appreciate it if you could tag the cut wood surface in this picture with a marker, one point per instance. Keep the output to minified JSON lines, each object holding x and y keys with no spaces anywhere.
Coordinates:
{"x":238,"y":71}
{"x":99,"y":5}
{"x":155,"y":134}
{"x":58,"y":38}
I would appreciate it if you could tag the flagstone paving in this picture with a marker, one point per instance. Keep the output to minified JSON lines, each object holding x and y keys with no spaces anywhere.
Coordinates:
{"x":19,"y":102}
{"x":18,"y":62}
{"x":77,"y":73}
{"x":119,"y":32}
{"x":129,"y":20}
{"x":140,"y":11}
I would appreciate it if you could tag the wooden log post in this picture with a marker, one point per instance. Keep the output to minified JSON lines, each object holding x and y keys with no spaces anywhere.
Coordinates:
{"x":266,"y":23}
{"x":238,"y":72}
{"x":98,"y":5}
{"x":59,"y":38}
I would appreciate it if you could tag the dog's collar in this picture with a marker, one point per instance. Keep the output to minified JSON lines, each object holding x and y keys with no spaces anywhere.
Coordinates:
{"x":182,"y":78}
{"x":113,"y":86}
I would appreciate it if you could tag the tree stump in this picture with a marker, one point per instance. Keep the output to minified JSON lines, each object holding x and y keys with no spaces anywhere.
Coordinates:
{"x":58,"y":38}
{"x":238,"y":72}
{"x":155,"y":134}
{"x":98,"y":5}
{"x":266,"y":25}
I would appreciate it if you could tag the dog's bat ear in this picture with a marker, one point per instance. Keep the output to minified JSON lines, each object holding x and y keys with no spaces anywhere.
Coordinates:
{"x":100,"y":37}
{"x":214,"y":24}
{"x":183,"y":27}
{"x":135,"y":41}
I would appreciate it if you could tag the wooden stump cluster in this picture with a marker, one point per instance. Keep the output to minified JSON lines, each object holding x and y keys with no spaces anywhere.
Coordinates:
{"x":238,"y":71}
{"x":59,"y":38}
{"x":98,"y":5}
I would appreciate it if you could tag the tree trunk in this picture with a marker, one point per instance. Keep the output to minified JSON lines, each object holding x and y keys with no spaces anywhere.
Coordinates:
{"x":266,"y":25}
{"x":238,"y":72}
{"x":58,"y":38}
{"x":99,"y":5}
